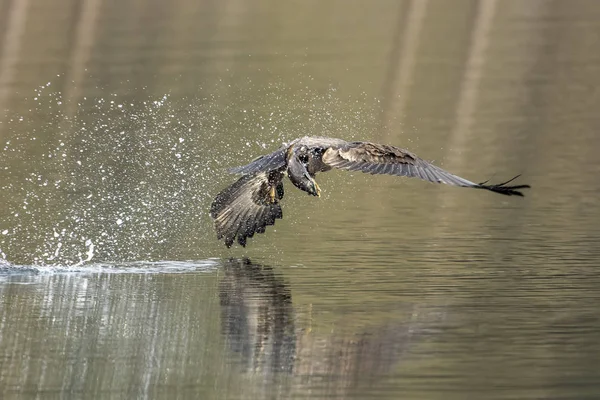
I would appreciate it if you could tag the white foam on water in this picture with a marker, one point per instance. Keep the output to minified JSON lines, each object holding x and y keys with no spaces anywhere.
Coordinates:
{"x":136,"y":267}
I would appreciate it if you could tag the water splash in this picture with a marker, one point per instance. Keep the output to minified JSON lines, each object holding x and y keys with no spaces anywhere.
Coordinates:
{"x":9,"y":271}
{"x":123,"y":178}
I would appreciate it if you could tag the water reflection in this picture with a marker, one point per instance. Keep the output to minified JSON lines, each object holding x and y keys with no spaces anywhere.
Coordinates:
{"x":194,"y":327}
{"x":257,"y":316}
{"x":266,"y":335}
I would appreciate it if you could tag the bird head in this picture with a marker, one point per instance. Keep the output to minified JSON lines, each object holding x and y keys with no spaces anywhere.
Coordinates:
{"x":298,"y":173}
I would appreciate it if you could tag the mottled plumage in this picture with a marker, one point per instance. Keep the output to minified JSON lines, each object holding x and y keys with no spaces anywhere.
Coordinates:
{"x":249,"y":205}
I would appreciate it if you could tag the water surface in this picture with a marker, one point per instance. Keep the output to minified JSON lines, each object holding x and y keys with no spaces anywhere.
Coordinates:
{"x":117,"y":123}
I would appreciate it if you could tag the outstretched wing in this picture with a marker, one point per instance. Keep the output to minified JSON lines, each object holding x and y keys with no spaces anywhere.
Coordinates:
{"x":248,"y":206}
{"x":383,"y":159}
{"x":264,"y":163}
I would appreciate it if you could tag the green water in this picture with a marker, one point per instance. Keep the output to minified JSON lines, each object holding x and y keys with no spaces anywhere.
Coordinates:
{"x":118,"y":121}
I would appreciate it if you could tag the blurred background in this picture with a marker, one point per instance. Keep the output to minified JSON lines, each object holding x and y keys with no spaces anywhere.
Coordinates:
{"x":118,"y":120}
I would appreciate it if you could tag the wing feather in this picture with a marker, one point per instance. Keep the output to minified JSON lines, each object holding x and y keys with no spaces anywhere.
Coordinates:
{"x":376,"y":158}
{"x":400,"y":170}
{"x":245,"y":207}
{"x":430,"y":176}
{"x":388,"y":169}
{"x":264,"y":163}
{"x":345,"y":164}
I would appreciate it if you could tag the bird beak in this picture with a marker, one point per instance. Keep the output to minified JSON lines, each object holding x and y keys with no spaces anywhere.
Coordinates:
{"x":317,"y":189}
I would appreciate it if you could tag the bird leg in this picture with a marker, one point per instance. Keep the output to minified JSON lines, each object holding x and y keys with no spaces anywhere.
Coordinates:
{"x":272,"y":194}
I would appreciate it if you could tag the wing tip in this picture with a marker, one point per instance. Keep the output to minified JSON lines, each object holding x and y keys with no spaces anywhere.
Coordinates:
{"x":503,"y":188}
{"x":242,"y":229}
{"x":242,"y":237}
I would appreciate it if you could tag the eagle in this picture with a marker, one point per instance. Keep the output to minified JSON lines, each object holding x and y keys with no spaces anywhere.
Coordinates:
{"x":252,"y":203}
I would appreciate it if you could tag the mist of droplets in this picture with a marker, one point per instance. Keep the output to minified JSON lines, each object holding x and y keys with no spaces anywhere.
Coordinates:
{"x":121,"y":179}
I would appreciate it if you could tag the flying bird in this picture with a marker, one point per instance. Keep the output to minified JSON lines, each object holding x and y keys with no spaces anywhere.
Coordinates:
{"x":252,"y":203}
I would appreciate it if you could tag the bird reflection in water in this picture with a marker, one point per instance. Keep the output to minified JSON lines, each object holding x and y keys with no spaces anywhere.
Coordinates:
{"x":257,"y":316}
{"x":261,"y":327}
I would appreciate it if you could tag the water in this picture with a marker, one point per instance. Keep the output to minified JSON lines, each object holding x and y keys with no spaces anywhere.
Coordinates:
{"x":117,"y":122}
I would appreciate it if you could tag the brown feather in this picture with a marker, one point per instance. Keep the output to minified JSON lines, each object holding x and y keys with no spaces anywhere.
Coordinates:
{"x":376,"y":158}
{"x":245,"y":207}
